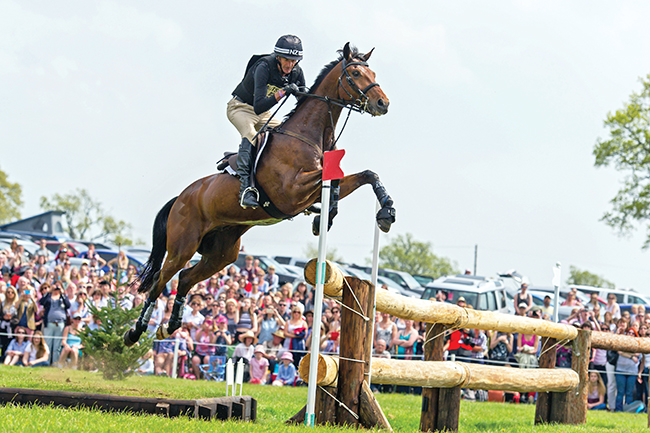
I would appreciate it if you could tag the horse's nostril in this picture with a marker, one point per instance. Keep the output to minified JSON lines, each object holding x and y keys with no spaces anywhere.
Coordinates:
{"x":380,"y":102}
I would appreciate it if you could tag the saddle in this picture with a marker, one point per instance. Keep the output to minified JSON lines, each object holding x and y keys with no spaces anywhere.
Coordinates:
{"x":229,"y":161}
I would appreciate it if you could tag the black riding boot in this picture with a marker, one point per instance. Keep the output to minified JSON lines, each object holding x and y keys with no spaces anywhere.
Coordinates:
{"x":248,"y":196}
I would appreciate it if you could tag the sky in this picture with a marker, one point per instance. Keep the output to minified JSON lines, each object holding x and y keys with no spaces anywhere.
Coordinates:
{"x":495,"y":108}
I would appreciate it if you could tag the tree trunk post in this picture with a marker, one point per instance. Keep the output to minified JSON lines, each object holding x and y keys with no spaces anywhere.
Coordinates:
{"x":547,"y":360}
{"x":431,"y":396}
{"x":577,"y":400}
{"x":352,"y":350}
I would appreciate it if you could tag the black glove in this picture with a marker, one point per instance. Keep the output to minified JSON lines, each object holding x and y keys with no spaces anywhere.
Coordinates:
{"x":290,"y":89}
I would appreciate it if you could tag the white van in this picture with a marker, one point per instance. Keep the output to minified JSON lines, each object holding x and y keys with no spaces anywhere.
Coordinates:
{"x":480,"y":292}
{"x":623,"y":296}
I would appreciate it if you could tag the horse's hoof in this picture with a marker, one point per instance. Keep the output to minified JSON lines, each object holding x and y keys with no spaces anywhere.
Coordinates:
{"x":128,"y":342}
{"x":385,"y":218}
{"x":315,"y":225}
{"x":162,"y":333}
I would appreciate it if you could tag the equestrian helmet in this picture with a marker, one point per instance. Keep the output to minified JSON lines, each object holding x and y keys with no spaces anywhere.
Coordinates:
{"x":289,"y":46}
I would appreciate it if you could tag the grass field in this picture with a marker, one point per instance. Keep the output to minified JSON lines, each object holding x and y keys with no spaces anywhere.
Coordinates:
{"x":275,"y":405}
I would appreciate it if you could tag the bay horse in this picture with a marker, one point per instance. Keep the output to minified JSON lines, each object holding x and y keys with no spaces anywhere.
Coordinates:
{"x":207,"y":218}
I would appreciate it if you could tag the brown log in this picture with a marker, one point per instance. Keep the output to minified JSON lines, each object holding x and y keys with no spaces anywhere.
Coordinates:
{"x":577,"y":400}
{"x":448,"y":409}
{"x":439,"y":312}
{"x":433,"y":351}
{"x":369,"y":306}
{"x":546,"y":360}
{"x":351,"y":350}
{"x":448,"y":374}
{"x":559,"y":412}
{"x":622,"y":343}
{"x":371,"y":415}
{"x":324,"y":408}
{"x":328,"y":369}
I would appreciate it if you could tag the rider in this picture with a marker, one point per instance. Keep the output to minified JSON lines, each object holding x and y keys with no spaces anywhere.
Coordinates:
{"x":267,"y":81}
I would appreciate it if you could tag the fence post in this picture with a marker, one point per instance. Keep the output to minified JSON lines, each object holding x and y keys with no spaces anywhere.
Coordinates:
{"x":352,"y":350}
{"x":440,"y":406}
{"x":544,"y":399}
{"x":577,"y":400}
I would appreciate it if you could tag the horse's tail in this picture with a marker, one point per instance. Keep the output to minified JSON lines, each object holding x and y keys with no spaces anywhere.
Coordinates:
{"x":158,"y":249}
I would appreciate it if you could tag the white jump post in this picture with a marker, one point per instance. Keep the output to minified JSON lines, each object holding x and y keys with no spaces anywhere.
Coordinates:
{"x":557,"y":282}
{"x":373,"y":279}
{"x":331,"y":171}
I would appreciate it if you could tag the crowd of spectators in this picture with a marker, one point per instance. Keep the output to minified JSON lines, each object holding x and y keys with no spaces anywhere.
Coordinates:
{"x":247,"y":315}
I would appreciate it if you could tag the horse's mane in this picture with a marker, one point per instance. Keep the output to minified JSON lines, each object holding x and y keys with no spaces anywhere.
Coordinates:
{"x":321,"y":76}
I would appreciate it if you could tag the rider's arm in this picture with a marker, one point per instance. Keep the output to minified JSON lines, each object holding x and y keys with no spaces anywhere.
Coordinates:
{"x":261,"y":102}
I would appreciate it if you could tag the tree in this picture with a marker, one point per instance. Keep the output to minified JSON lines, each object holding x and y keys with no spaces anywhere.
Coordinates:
{"x":105,"y":345}
{"x":85,"y":215}
{"x":311,"y":252}
{"x":417,"y":258}
{"x":628,"y":150}
{"x":586,"y":278}
{"x":10,"y":199}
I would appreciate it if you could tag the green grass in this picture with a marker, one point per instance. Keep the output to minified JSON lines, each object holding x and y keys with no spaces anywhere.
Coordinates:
{"x":275,"y":405}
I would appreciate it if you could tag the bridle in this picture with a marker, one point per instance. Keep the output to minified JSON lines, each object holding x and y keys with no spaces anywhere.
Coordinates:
{"x":358,"y":104}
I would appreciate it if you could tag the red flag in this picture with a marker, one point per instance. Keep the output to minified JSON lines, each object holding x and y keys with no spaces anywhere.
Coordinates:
{"x":331,"y":162}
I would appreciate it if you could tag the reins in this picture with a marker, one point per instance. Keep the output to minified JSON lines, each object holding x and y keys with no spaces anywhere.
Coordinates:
{"x":360,"y":104}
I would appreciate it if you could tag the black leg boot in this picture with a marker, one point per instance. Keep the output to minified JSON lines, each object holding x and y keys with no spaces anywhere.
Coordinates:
{"x":248,"y":196}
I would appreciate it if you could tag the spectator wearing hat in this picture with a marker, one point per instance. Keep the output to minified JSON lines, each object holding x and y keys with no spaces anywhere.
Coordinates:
{"x":524,"y":297}
{"x":244,"y":350}
{"x":55,"y":305}
{"x":17,"y":347}
{"x":223,"y":336}
{"x":71,"y":343}
{"x":461,"y":302}
{"x":286,"y":371}
{"x":269,"y":322}
{"x":522,"y":308}
{"x":547,"y":308}
{"x":259,"y":366}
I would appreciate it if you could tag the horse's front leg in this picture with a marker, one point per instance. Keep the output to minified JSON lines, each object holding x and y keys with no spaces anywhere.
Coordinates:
{"x":333,"y":209}
{"x":386,"y":215}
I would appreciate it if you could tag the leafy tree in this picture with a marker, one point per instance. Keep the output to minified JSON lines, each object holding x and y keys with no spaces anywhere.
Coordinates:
{"x":85,"y":215}
{"x":311,"y":252}
{"x":628,"y":149}
{"x":408,"y":255}
{"x":10,"y":199}
{"x":105,"y":345}
{"x":586,"y":278}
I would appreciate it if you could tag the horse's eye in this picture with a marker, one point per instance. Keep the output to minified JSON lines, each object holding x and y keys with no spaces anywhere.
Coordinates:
{"x":356,"y":74}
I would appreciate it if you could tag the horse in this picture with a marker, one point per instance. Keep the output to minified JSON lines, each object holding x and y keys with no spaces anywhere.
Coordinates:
{"x":207,"y":218}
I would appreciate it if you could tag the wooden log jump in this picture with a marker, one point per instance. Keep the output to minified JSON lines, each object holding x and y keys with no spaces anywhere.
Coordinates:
{"x":421,"y":310}
{"x":448,"y":374}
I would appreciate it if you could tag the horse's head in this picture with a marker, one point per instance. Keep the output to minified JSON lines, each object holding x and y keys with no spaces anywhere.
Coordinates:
{"x":357,"y":83}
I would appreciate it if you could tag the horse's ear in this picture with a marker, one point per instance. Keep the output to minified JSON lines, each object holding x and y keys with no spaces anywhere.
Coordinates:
{"x":368,"y":54}
{"x":347,"y":54}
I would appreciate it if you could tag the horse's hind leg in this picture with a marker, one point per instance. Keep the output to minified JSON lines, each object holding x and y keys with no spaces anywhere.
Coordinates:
{"x":219,"y":248}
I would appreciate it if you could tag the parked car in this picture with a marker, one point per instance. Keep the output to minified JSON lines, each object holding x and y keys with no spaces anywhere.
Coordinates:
{"x":284,"y":275}
{"x":480,"y":292}
{"x":623,"y":296}
{"x":29,"y":246}
{"x":300,"y":262}
{"x":75,"y":248}
{"x":423,"y":279}
{"x":392,"y":286}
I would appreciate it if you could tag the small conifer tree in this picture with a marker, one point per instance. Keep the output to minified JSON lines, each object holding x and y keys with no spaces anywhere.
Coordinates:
{"x":105,"y":345}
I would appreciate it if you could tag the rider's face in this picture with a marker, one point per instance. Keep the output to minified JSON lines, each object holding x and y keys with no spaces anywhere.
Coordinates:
{"x":286,"y":65}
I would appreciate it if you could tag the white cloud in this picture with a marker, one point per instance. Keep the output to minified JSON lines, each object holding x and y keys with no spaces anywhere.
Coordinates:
{"x":63,"y":65}
{"x":126,"y":22}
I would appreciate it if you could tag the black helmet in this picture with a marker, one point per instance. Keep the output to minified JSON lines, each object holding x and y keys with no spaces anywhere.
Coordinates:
{"x":289,"y":46}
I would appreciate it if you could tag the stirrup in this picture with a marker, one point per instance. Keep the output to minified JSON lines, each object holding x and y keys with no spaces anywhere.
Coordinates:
{"x":257,"y":197}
